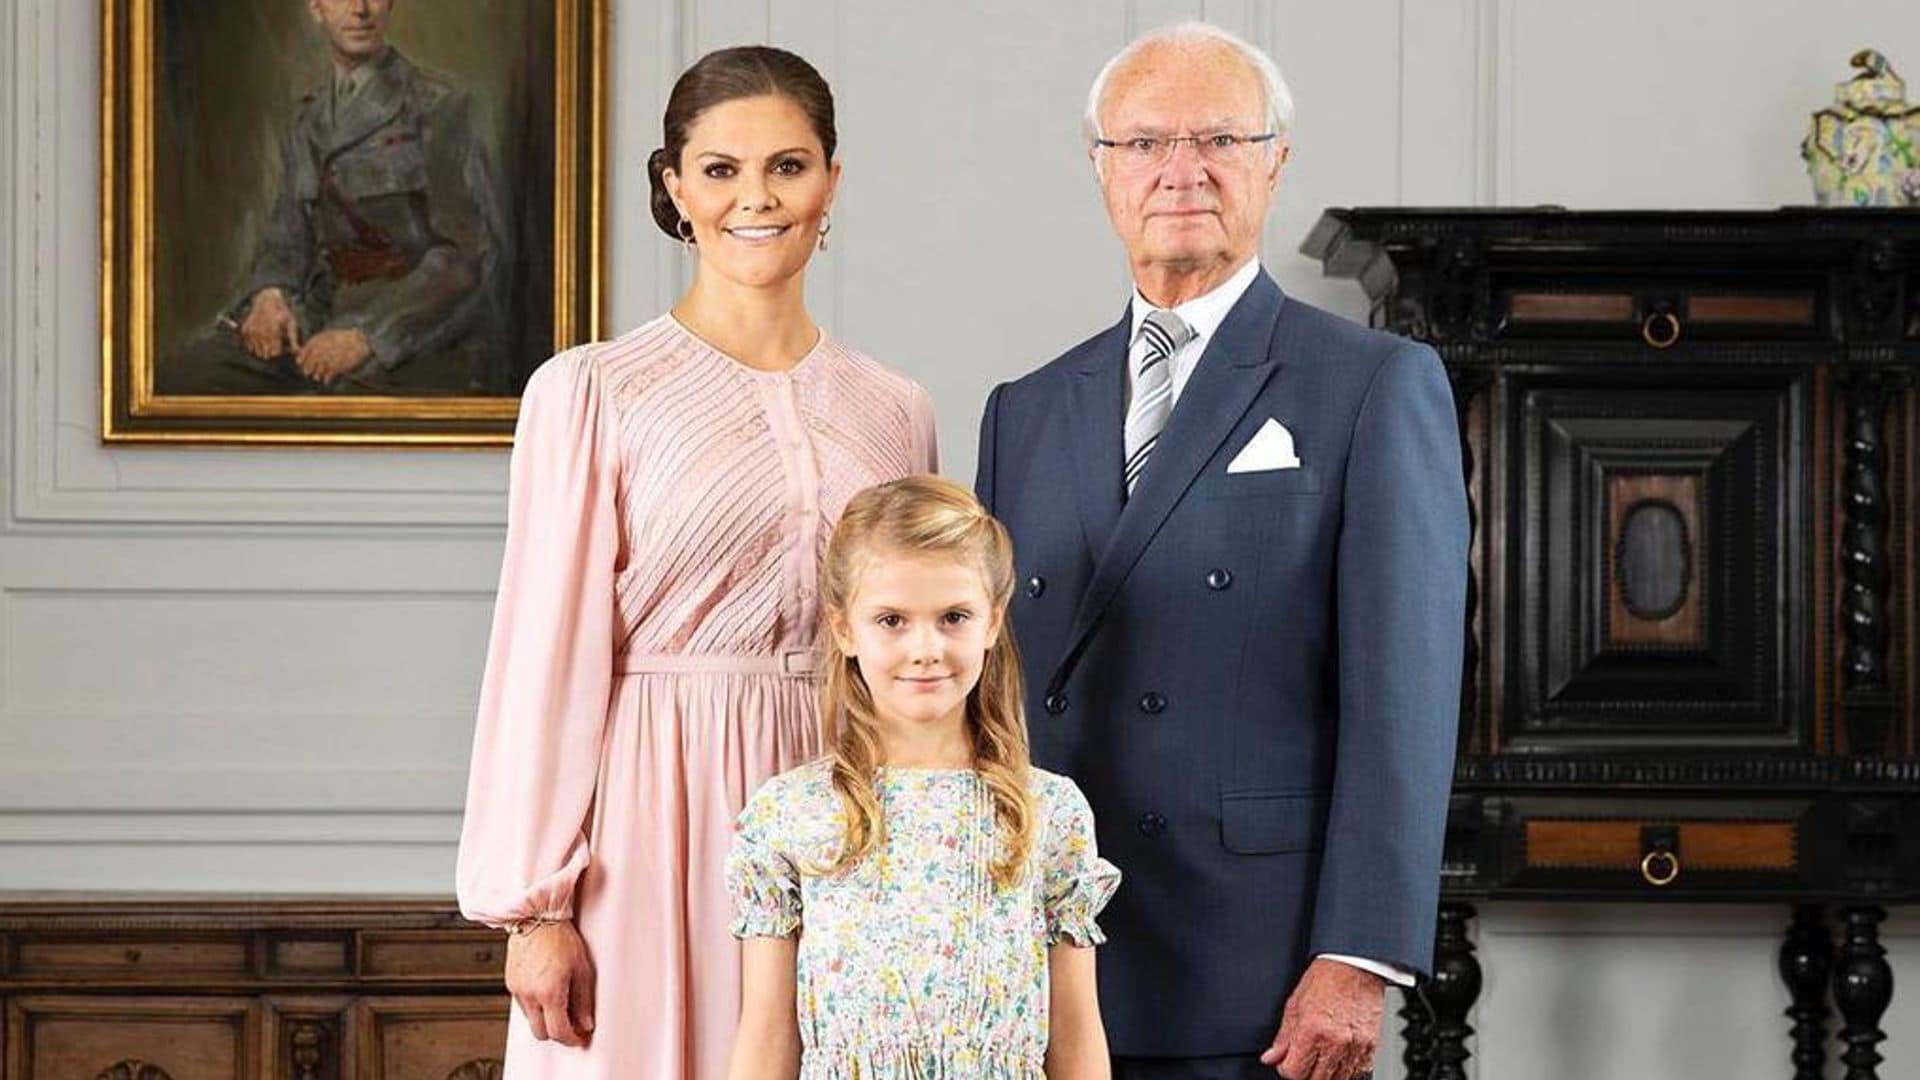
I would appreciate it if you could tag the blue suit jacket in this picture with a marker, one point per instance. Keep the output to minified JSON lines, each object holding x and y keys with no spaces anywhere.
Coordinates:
{"x":1254,"y":677}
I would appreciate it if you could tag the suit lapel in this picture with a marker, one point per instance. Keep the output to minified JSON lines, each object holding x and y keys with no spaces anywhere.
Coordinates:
{"x":316,"y":120}
{"x":1239,"y":360}
{"x":1098,"y":388}
{"x":373,"y":106}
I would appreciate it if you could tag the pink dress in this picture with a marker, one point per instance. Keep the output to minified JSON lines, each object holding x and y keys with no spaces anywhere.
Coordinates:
{"x":649,"y":661}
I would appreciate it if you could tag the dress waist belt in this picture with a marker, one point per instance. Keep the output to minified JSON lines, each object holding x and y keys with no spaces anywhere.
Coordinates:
{"x":792,"y":663}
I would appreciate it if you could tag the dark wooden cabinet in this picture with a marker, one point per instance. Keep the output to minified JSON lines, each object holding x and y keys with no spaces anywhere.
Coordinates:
{"x":1691,"y":455}
{"x":185,"y":988}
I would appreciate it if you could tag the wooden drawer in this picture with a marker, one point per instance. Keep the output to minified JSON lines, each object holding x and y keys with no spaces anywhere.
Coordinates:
{"x":1698,"y":845}
{"x":130,"y":957}
{"x":1660,"y":314}
{"x":308,"y":956}
{"x":429,"y":955}
{"x":131,"y":1038}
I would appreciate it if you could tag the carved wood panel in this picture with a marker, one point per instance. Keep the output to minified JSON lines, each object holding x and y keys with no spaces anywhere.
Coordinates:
{"x":431,"y":1038}
{"x":1655,"y":551}
{"x":131,"y":1038}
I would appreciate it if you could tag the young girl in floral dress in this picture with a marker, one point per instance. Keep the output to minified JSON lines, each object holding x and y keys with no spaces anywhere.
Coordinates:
{"x":919,"y":902}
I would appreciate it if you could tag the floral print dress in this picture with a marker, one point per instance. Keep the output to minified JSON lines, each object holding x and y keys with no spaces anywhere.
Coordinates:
{"x":914,"y":963}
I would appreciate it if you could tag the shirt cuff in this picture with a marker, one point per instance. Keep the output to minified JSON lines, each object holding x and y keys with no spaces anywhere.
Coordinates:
{"x":1393,"y":973}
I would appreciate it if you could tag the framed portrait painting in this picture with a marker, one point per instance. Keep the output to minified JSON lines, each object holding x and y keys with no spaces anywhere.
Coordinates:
{"x":345,"y":221}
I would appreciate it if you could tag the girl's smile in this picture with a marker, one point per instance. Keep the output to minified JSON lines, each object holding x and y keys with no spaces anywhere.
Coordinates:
{"x":919,"y":626}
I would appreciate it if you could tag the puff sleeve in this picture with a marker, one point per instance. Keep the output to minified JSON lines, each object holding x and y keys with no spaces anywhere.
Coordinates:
{"x":761,"y":878}
{"x":1076,"y":881}
{"x":549,"y":671}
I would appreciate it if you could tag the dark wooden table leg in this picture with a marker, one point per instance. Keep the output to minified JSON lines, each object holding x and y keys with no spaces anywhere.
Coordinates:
{"x":1455,"y":987}
{"x":1417,"y":1034}
{"x":1806,"y":963}
{"x":1862,"y":987}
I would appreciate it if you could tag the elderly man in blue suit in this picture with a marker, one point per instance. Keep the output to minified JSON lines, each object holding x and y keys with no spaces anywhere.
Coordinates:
{"x":1242,"y":537}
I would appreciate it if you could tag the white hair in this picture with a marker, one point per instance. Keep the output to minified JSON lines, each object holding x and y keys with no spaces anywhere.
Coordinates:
{"x":1273,"y":86}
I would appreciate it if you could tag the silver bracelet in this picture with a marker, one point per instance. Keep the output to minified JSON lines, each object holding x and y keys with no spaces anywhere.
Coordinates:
{"x":523,"y":927}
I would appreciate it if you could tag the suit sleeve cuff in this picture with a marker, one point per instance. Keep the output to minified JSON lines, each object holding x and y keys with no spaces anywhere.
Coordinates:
{"x":1393,"y":973}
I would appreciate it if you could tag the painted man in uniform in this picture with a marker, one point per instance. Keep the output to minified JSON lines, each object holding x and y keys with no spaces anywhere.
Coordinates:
{"x":381,"y":260}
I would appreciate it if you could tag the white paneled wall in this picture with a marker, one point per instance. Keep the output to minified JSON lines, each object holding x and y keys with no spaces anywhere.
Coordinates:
{"x":255,"y":669}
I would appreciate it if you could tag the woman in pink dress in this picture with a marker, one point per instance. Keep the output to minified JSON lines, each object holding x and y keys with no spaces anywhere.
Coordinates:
{"x":671,"y":495}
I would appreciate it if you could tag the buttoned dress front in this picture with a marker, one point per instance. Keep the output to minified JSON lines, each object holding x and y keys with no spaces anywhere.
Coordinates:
{"x":649,"y":660}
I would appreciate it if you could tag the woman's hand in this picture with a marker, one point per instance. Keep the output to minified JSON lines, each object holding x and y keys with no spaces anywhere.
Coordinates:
{"x":551,"y":976}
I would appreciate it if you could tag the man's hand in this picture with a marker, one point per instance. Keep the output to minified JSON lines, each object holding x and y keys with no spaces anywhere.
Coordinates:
{"x":1331,"y":1024}
{"x":270,"y":329}
{"x":330,"y":354}
{"x":551,"y":977}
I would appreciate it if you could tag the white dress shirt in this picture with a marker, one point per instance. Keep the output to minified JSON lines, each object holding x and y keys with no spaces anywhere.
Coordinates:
{"x":1205,"y":313}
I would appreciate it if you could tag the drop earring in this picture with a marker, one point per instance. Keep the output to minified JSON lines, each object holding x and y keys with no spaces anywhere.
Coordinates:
{"x":685,"y":229}
{"x":826,"y":226}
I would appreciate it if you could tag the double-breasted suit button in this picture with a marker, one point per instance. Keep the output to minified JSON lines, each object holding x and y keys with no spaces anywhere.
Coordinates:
{"x":1055,"y":704}
{"x":1152,"y":824}
{"x":1036,"y":585}
{"x":1219,"y":578}
{"x":1153,"y":701}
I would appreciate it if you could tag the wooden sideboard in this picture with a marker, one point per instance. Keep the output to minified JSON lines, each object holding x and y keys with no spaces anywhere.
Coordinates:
{"x":99,"y":987}
{"x":1690,"y":453}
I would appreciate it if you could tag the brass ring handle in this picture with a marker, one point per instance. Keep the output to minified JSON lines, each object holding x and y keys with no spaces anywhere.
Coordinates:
{"x":1663,"y":877}
{"x":1669,"y":331}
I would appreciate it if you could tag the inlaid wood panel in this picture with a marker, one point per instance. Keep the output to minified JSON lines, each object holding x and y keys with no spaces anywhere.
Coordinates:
{"x":1655,"y":588}
{"x":1703,"y":845}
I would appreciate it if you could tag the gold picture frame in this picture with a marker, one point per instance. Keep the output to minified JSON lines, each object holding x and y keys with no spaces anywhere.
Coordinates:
{"x":134,"y":232}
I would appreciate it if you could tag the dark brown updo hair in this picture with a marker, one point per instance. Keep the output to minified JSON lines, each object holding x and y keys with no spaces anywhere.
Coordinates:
{"x":727,"y":75}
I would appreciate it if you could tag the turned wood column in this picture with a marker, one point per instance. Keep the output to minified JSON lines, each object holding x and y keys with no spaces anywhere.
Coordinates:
{"x":1416,"y":1033}
{"x":1806,"y":965}
{"x":1862,"y":987}
{"x":1455,"y":987}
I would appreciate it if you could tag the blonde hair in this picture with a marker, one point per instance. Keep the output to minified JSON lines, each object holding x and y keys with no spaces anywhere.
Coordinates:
{"x":923,"y":515}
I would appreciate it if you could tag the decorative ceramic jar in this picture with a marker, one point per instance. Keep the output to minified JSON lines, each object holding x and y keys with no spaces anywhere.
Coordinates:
{"x":1864,"y":149}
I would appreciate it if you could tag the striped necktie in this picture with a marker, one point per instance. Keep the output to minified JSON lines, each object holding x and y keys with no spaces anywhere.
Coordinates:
{"x":1161,"y":335}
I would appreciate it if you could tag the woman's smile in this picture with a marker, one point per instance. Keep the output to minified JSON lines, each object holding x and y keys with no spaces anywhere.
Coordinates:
{"x":757,"y":234}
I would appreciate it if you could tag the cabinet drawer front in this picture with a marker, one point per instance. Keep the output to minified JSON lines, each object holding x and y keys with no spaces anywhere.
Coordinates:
{"x":1637,"y":846}
{"x":433,"y":954}
{"x":1659,"y":314}
{"x":130,"y":958}
{"x":291,"y":956}
{"x":1703,"y":845}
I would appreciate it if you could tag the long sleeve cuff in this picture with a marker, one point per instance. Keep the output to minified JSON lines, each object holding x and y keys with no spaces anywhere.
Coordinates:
{"x":1393,"y":973}
{"x":550,"y":897}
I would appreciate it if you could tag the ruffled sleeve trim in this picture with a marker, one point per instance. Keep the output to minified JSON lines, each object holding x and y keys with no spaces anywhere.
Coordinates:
{"x":1070,"y":916}
{"x":1078,"y":882}
{"x":762,"y":881}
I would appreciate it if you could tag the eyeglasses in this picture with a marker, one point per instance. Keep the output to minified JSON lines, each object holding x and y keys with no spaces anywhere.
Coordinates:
{"x":1218,"y":148}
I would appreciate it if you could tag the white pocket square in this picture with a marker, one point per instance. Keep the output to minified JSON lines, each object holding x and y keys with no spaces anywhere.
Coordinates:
{"x":1270,"y":448}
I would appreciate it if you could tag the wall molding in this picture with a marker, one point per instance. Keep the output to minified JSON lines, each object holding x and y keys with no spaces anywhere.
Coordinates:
{"x":138,"y":787}
{"x":293,"y":828}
